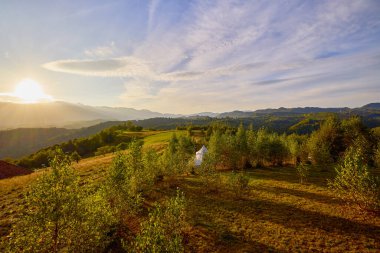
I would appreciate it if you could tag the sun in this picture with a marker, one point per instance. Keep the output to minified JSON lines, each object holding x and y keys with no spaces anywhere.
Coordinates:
{"x":29,"y":91}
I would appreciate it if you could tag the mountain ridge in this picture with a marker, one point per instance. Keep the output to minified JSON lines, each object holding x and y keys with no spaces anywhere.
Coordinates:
{"x":64,"y":114}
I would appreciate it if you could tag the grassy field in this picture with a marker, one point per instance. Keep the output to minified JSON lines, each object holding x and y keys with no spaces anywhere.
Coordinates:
{"x":276,"y":213}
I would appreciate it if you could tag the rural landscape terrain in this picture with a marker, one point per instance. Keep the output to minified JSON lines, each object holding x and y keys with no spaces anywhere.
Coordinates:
{"x":198,"y":126}
{"x":256,"y":190}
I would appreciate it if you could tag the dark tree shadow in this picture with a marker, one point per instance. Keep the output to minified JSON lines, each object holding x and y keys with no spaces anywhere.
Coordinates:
{"x":290,"y":216}
{"x":302,"y":194}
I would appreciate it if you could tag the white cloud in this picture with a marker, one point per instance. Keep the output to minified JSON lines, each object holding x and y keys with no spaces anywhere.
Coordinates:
{"x":114,"y":67}
{"x":240,"y":54}
{"x":151,"y":13}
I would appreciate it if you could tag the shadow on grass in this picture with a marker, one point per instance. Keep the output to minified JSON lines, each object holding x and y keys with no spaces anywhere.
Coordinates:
{"x":298,"y":219}
{"x":302,"y":194}
{"x":219,"y":238}
{"x":289,"y":175}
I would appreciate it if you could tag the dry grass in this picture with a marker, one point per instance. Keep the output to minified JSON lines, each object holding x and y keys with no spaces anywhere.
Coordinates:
{"x":276,"y":214}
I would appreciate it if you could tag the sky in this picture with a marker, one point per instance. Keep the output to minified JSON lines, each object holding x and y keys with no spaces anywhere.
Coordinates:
{"x":177,"y":56}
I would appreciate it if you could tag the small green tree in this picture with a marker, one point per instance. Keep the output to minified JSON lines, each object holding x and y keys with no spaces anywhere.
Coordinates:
{"x":302,"y":172}
{"x":162,"y":232}
{"x":209,"y":175}
{"x":153,"y":170}
{"x":239,"y":183}
{"x":75,"y":156}
{"x":58,"y":215}
{"x":354,"y":184}
{"x":121,"y":187}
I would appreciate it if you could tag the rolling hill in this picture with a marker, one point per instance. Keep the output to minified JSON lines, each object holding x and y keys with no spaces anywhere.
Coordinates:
{"x":16,"y":143}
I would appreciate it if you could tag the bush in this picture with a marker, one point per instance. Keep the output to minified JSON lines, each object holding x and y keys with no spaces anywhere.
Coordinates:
{"x":60,"y":215}
{"x":239,"y":183}
{"x":105,"y":150}
{"x":121,"y":187}
{"x":209,"y":174}
{"x":354,"y":184}
{"x":303,"y":172}
{"x":162,"y":232}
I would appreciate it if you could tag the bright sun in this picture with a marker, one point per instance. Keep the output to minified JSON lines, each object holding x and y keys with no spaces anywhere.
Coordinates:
{"x":29,"y":91}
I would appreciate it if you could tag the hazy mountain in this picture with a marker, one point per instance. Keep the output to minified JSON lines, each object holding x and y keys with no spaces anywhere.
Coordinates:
{"x":60,"y":114}
{"x":67,"y":115}
{"x":364,"y":110}
{"x":372,"y":106}
{"x":204,"y":114}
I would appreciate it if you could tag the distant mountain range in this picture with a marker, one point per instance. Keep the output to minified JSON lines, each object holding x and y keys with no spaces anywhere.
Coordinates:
{"x":67,"y":115}
{"x":62,"y":114}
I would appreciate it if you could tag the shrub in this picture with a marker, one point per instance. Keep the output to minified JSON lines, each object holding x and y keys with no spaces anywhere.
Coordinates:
{"x":60,"y":215}
{"x":354,"y":184}
{"x":209,"y":174}
{"x":239,"y":183}
{"x":303,"y":172}
{"x":105,"y":150}
{"x":121,"y":187}
{"x":162,"y":232}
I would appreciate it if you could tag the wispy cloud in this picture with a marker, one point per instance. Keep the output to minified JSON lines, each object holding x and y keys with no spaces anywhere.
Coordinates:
{"x":221,"y":55}
{"x":102,"y":51}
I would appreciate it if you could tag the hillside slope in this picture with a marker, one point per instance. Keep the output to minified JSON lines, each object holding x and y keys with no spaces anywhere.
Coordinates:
{"x":8,"y":170}
{"x":23,"y":141}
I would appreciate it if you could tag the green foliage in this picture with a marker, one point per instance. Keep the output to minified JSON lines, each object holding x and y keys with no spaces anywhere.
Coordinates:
{"x":176,"y":157}
{"x":294,"y":145}
{"x":239,"y":183}
{"x":321,"y":143}
{"x":209,"y":175}
{"x":105,"y":150}
{"x":303,"y":172}
{"x":122,"y":186}
{"x":267,"y":148}
{"x":75,"y":157}
{"x":106,"y":141}
{"x":153,"y":170}
{"x":354,"y":184}
{"x":60,"y":215}
{"x":162,"y":232}
{"x":377,"y":156}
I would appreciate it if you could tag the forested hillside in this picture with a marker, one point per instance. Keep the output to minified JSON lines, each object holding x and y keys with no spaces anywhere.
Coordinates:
{"x":318,"y":191}
{"x":20,"y":142}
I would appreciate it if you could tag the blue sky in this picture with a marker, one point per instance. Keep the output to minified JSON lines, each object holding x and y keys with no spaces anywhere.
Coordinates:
{"x":192,"y":56}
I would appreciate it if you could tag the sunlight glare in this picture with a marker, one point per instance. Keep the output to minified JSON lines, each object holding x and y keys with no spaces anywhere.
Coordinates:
{"x":29,"y":91}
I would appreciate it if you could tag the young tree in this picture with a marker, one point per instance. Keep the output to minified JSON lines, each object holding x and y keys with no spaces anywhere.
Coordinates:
{"x":323,"y":144}
{"x":354,"y":184}
{"x":75,"y":156}
{"x":303,"y":172}
{"x":241,"y":147}
{"x":239,"y":183}
{"x":162,"y":232}
{"x":58,"y":216}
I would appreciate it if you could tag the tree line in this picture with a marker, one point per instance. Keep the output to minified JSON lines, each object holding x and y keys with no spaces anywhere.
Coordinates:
{"x":106,"y":141}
